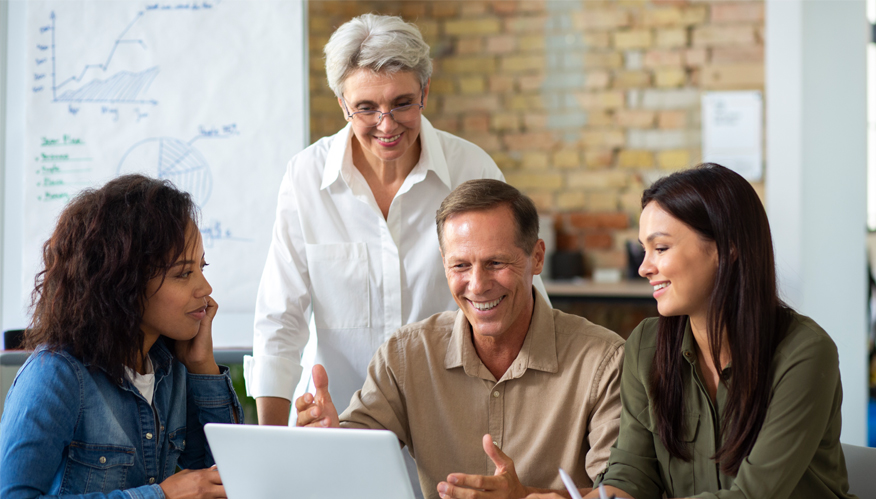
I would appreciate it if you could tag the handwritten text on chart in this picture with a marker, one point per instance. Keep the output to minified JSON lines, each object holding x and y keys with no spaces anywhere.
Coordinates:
{"x":57,"y":172}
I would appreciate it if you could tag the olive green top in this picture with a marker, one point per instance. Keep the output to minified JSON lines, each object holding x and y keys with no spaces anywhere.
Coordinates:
{"x":797,"y":453}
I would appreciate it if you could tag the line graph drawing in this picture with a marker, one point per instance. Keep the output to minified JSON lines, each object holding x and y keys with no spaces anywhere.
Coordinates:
{"x":122,"y":87}
{"x":174,"y":160}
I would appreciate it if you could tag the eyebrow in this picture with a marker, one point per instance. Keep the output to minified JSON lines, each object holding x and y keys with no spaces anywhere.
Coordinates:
{"x":399,"y":97}
{"x":653,"y":236}
{"x":186,"y":262}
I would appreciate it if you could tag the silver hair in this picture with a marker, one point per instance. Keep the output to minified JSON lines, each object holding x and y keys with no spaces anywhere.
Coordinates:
{"x":379,"y":43}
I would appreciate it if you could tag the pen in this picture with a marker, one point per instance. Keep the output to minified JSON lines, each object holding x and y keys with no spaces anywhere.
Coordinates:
{"x":570,"y":485}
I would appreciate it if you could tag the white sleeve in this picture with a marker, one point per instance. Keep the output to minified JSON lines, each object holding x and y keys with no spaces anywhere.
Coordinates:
{"x":283,"y":305}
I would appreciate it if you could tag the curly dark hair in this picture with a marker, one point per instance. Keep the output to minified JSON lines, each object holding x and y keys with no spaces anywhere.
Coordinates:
{"x":108,"y":244}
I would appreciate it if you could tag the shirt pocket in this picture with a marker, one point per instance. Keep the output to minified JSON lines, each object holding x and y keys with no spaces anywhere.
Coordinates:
{"x":96,"y":468}
{"x":340,"y":285}
{"x":176,"y":445}
{"x":681,"y":481}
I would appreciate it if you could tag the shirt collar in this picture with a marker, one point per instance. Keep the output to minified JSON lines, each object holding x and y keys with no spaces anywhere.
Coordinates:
{"x":688,"y":349}
{"x":340,"y":155}
{"x":539,"y":350}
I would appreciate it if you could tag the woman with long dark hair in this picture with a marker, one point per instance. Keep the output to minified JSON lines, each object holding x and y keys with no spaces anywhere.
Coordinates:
{"x":729,"y":393}
{"x":122,"y":378}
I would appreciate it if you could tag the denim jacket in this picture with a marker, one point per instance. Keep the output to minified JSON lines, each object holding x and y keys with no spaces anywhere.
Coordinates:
{"x":68,"y":431}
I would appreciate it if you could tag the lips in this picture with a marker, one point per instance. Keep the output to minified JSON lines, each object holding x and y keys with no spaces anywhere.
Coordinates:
{"x":659,"y":287}
{"x":388,"y":141}
{"x":486,"y":305}
{"x":199,"y":313}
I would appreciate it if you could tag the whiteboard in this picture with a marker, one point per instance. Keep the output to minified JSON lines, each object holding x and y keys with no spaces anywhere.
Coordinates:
{"x":209,"y":94}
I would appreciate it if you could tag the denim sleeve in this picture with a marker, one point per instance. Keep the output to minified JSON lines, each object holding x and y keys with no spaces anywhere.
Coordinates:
{"x":209,"y":399}
{"x":42,"y":409}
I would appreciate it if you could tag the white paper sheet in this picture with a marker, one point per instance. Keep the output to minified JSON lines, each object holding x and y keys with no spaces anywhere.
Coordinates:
{"x":733,"y":131}
{"x":207,"y":94}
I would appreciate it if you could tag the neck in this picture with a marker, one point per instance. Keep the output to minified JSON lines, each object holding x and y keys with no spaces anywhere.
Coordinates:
{"x":383,"y":172}
{"x":148,"y":341}
{"x":701,"y":337}
{"x":499,"y":352}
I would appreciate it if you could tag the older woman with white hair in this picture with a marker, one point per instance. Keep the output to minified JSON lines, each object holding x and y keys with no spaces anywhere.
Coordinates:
{"x":354,"y":240}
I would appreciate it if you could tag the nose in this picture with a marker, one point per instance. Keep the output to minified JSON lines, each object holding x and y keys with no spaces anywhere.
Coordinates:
{"x":647,"y":268}
{"x":387,"y":123}
{"x":203,"y":288}
{"x":479,"y":281}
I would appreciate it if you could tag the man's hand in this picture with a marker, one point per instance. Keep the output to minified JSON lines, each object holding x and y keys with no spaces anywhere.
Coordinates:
{"x":194,"y":484}
{"x":317,"y":410}
{"x":504,"y":484}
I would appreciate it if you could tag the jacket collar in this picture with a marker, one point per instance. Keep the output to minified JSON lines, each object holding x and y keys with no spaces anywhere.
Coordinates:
{"x":539,"y":350}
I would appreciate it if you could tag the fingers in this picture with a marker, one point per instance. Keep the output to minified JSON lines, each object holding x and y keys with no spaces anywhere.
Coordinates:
{"x":450,"y":491}
{"x":460,"y":482}
{"x":212,"y":307}
{"x":499,"y":458}
{"x":320,"y":382}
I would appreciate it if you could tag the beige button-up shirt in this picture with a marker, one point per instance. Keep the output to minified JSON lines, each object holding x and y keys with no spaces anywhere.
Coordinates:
{"x":558,"y":405}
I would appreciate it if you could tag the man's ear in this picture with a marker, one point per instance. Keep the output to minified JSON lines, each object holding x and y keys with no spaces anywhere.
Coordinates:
{"x":538,"y":254}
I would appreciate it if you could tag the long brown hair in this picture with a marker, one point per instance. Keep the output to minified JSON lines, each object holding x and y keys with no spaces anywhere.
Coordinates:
{"x":108,"y":244}
{"x":721,"y":206}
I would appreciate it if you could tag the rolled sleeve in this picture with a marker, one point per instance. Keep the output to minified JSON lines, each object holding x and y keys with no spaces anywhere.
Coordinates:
{"x":209,"y":399}
{"x":145,"y":492}
{"x":602,"y":430}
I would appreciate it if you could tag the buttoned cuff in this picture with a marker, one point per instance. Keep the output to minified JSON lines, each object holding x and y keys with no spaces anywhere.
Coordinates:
{"x":271,"y":376}
{"x":146,"y":492}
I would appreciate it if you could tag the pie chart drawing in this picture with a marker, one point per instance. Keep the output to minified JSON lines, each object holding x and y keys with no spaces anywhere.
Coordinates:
{"x":174,"y":160}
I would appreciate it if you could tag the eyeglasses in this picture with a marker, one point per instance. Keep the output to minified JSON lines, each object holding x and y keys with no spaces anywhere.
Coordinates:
{"x":401,"y":114}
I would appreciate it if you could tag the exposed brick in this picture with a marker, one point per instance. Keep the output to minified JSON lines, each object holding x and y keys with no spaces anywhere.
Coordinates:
{"x":501,"y":44}
{"x":597,"y":79}
{"x":609,"y":60}
{"x":445,"y":9}
{"x":601,"y":19}
{"x":530,"y":141}
{"x":441,"y":86}
{"x":661,"y":140}
{"x":603,"y":138}
{"x":504,"y":161}
{"x":695,"y":14}
{"x":413,"y":10}
{"x":597,"y":39}
{"x":671,"y":38}
{"x":598,"y":158}
{"x":487,"y":141}
{"x":600,"y":239}
{"x":469,"y":45}
{"x":428,"y":28}
{"x":633,"y":39}
{"x":599,"y":220}
{"x":603,"y":201}
{"x":719,"y":35}
{"x":472,"y":85}
{"x":530,"y":83}
{"x":600,"y":100}
{"x":505,"y":121}
{"x":737,"y":12}
{"x":675,"y":159}
{"x":632,"y":79}
{"x":600,"y":117}
{"x":631,"y":158}
{"x":672,"y":119}
{"x":663,"y":58}
{"x":566,"y":158}
{"x":659,"y":17}
{"x":471,"y":64}
{"x":695,"y":57}
{"x":446,"y":123}
{"x":504,"y":7}
{"x":476,"y":123}
{"x":513,"y":64}
{"x":320,"y":25}
{"x":463,"y":104}
{"x":574,"y":200}
{"x":526,"y":102}
{"x":549,"y":181}
{"x":473,"y":9}
{"x":671,"y":99}
{"x":543,"y":200}
{"x":669,"y":77}
{"x":525,"y":24}
{"x":500,"y":83}
{"x":534,"y":122}
{"x":732,"y":55}
{"x":635,"y":118}
{"x":598,"y":179}
{"x":732,"y":76}
{"x":324,"y":104}
{"x":531,"y":5}
{"x":535,"y":160}
{"x":607,"y":259}
{"x":531,"y":43}
{"x":631,"y":201}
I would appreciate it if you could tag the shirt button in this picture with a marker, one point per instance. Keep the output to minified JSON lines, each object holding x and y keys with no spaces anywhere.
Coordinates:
{"x":102,"y":460}
{"x":162,"y":428}
{"x":148,"y":436}
{"x":151,"y":480}
{"x":496,"y":394}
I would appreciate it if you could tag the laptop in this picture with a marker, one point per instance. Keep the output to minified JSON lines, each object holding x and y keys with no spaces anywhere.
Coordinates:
{"x":271,"y":462}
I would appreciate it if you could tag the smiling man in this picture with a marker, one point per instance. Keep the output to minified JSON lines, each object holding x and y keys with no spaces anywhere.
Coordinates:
{"x":493,"y":398}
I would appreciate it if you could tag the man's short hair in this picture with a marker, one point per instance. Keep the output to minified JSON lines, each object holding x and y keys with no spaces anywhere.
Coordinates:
{"x":486,"y":194}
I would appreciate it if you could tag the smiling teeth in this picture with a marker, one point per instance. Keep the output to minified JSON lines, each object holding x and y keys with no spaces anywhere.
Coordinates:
{"x":486,"y":306}
{"x":661,"y":286}
{"x":388,"y":140}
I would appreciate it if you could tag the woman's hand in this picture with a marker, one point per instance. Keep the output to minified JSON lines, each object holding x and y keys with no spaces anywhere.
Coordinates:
{"x":197,"y":353}
{"x":194,"y":484}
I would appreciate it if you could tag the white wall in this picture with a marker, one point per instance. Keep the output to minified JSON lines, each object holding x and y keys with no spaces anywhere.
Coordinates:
{"x":816,"y":176}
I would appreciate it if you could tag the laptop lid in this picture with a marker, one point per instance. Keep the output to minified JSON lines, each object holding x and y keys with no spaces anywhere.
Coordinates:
{"x":270,"y":462}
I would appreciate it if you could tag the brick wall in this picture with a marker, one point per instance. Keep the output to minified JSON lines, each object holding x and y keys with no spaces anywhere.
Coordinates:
{"x":581,"y":103}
